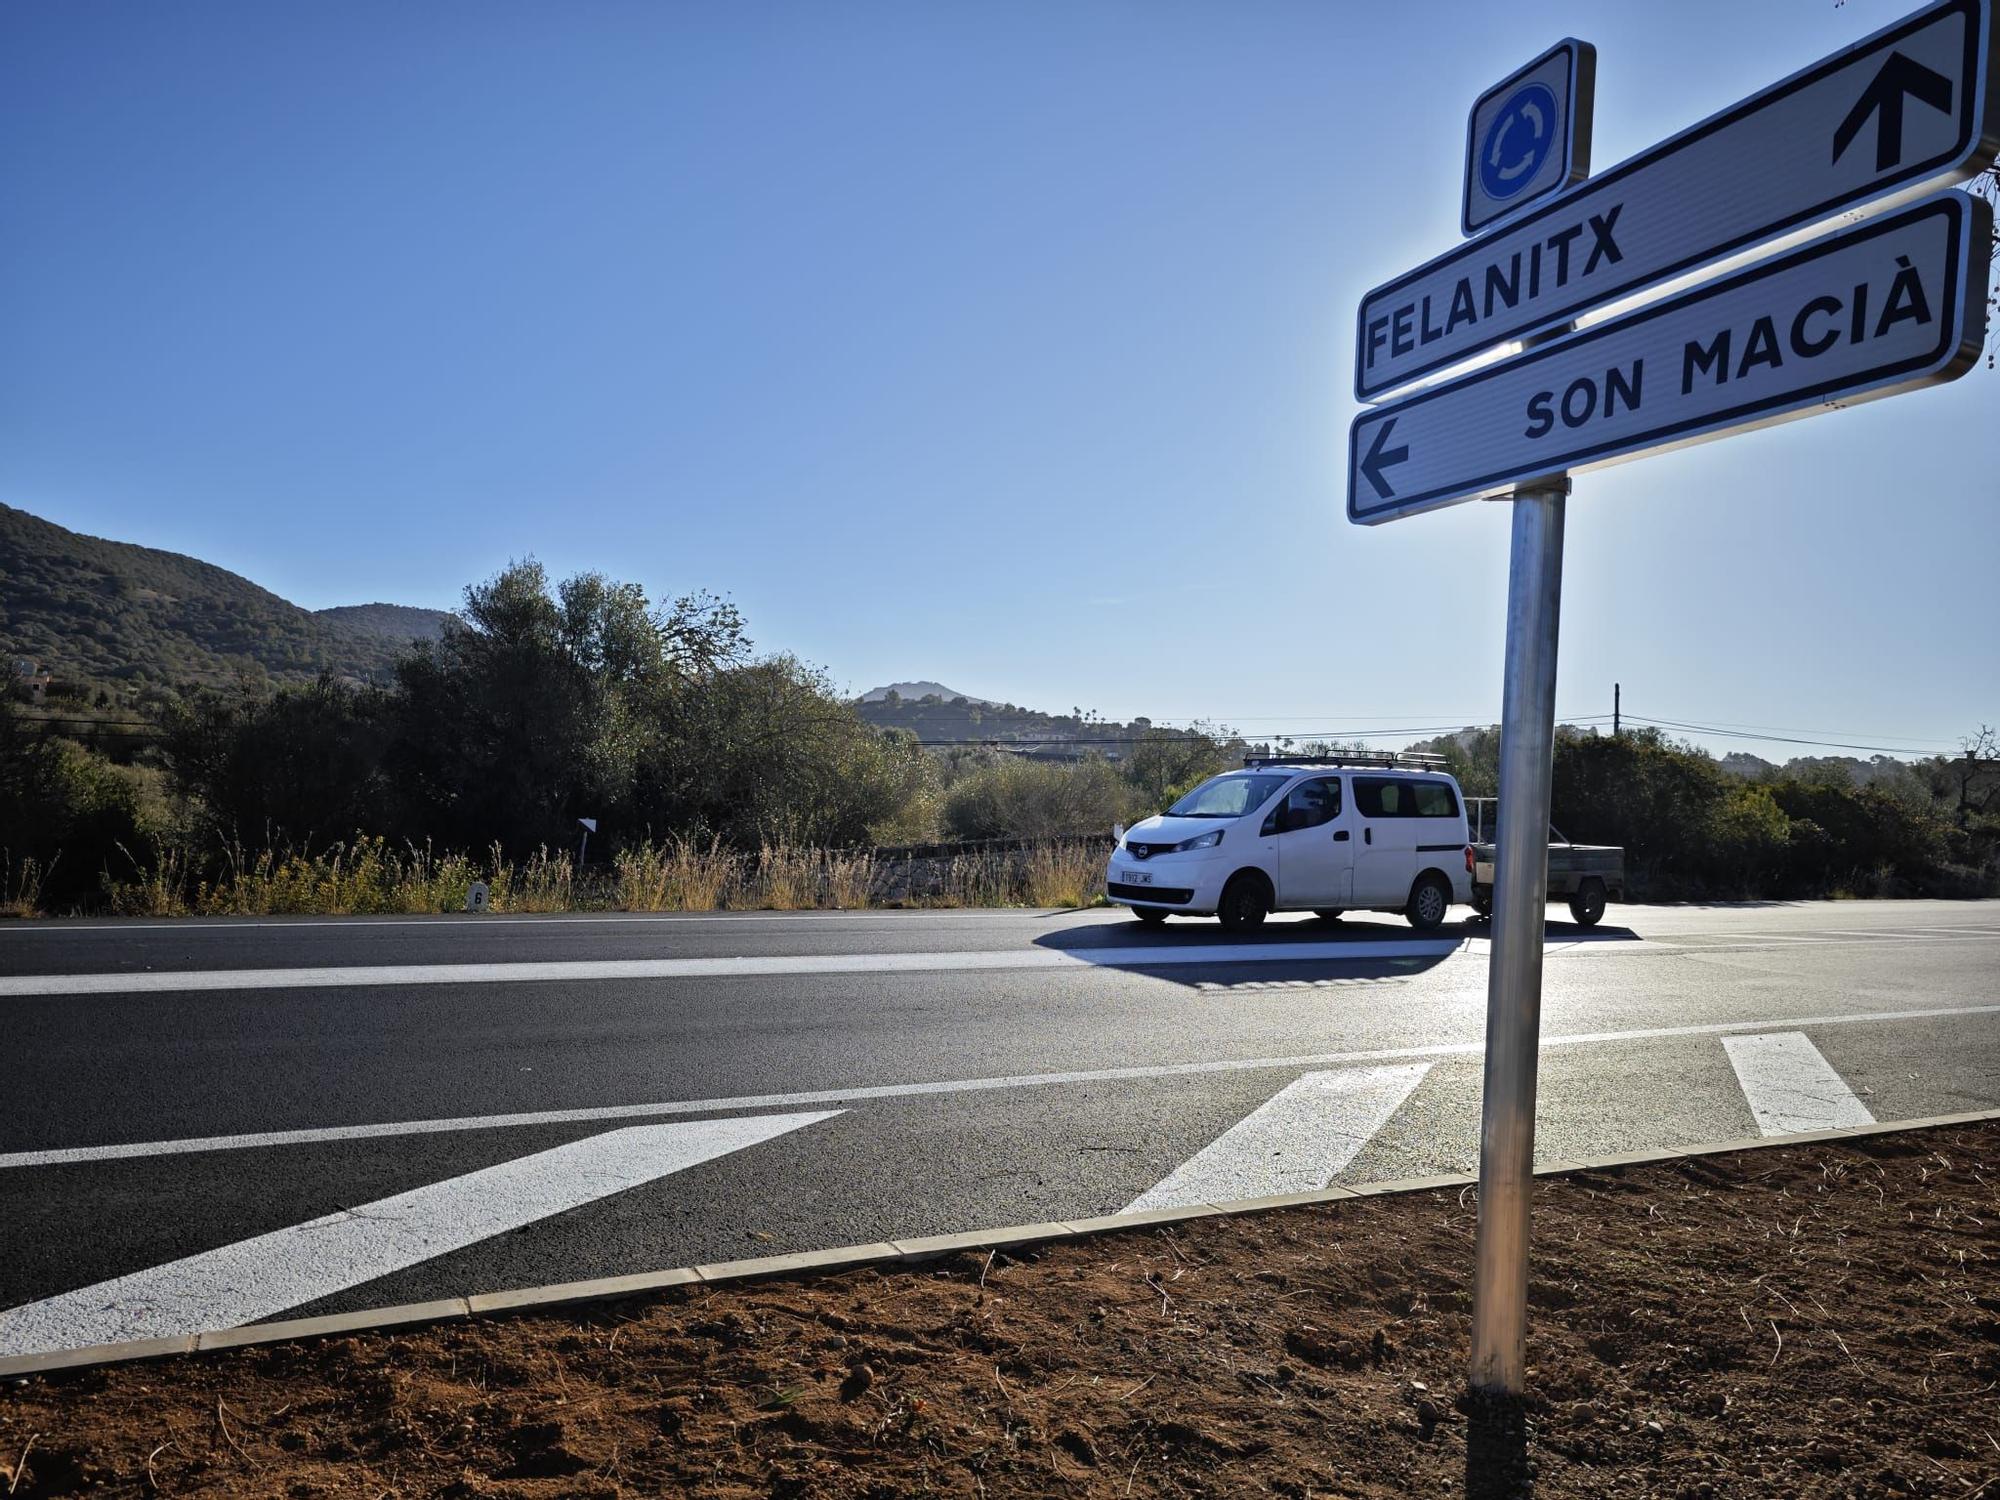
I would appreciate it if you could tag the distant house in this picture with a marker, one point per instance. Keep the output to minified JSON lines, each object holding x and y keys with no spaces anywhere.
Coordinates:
{"x":30,"y":681}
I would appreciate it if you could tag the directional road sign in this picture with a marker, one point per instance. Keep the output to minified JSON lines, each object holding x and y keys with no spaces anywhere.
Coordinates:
{"x":1897,"y":303}
{"x":1913,"y":108}
{"x":1529,"y":135}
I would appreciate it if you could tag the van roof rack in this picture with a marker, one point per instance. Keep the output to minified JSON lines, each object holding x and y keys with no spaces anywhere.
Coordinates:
{"x":1403,"y":760}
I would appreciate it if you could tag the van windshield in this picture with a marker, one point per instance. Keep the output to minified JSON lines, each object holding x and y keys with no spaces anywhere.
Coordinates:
{"x":1226,"y":797}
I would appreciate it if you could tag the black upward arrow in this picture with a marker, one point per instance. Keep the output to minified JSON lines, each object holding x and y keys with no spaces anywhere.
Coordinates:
{"x":1898,"y":76}
{"x":1378,"y":459}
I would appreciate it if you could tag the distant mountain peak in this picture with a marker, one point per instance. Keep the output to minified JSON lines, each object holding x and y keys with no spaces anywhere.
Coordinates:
{"x":915,"y":690}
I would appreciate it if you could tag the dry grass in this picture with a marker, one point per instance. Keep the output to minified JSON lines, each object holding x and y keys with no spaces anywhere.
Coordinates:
{"x":371,"y":877}
{"x":21,"y":885}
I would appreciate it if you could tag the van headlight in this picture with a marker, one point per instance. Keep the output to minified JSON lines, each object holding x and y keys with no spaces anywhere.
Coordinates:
{"x":1200,"y":841}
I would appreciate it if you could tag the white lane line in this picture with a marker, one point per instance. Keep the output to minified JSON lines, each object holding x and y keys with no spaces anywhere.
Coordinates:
{"x":262,"y":1276}
{"x":76,"y":1155}
{"x":1791,"y":1087}
{"x":1297,"y":1141}
{"x":1901,"y":934}
{"x":19,"y":986}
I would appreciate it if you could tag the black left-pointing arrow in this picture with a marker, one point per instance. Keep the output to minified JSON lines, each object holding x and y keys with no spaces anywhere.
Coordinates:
{"x":1379,"y":458}
{"x":1898,"y":78}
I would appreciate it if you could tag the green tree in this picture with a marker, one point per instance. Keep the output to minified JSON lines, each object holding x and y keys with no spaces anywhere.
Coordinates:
{"x":71,"y":812}
{"x":1165,"y":764}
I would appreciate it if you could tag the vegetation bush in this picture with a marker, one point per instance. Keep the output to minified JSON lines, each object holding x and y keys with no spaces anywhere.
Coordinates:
{"x":1037,"y":800}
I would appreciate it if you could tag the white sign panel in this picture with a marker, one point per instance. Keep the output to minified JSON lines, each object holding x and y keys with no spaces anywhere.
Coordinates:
{"x":1913,"y":108}
{"x":1529,"y":135}
{"x":1897,"y":303}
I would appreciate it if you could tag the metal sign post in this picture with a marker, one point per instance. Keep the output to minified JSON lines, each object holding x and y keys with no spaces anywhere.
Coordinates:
{"x":1514,"y":969}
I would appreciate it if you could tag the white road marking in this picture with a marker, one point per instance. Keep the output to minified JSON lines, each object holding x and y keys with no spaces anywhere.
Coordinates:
{"x":260,"y":1277}
{"x":1790,"y":1086}
{"x":1162,"y":956}
{"x":76,"y":1155}
{"x":1297,"y":1141}
{"x":20,"y":986}
{"x":1901,"y":934}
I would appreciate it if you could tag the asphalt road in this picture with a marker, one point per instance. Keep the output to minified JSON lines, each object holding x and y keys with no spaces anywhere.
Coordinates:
{"x":216,"y":1122}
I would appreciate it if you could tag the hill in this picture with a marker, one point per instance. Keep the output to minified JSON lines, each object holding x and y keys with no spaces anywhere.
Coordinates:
{"x":105,"y":613}
{"x":916,"y":690}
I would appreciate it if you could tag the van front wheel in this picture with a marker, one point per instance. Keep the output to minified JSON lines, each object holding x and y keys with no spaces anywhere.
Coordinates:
{"x":1152,"y":916}
{"x":1430,"y":899}
{"x":1244,"y":904}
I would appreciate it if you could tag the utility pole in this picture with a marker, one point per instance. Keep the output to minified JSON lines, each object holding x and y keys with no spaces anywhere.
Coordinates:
{"x":1617,"y":693}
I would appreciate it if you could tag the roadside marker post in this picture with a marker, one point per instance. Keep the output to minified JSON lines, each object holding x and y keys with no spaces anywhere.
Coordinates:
{"x":1838,"y":312}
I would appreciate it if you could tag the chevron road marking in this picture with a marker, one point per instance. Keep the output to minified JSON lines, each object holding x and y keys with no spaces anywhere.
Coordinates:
{"x":1295,"y":1142}
{"x":1790,"y":1086}
{"x":260,"y":1277}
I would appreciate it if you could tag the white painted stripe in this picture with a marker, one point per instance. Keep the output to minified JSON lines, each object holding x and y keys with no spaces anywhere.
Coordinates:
{"x":1790,"y":1086}
{"x":1297,"y":1141}
{"x":380,"y":975}
{"x":76,"y":1155}
{"x":1898,"y":934}
{"x":260,"y":1277}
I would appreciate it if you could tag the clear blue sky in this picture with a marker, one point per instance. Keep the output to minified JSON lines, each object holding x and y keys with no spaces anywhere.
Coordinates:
{"x":1005,"y":344}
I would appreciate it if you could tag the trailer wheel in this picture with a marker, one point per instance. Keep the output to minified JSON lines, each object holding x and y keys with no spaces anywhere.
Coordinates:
{"x":1587,"y":905}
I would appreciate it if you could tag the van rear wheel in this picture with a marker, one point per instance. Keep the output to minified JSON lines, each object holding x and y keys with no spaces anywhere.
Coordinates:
{"x":1430,"y":899}
{"x":1329,"y":913}
{"x":1244,"y":904}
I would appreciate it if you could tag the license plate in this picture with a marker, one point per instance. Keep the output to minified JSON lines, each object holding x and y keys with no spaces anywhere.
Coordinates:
{"x":1138,"y":877}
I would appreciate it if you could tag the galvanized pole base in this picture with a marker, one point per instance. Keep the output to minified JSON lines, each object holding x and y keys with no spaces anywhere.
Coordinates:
{"x":1514,"y":979}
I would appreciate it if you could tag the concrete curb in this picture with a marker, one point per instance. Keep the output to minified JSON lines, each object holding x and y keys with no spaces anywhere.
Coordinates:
{"x":883,"y":1253}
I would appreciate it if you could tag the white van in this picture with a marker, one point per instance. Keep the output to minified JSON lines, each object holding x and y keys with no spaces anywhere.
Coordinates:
{"x":1324,"y":835}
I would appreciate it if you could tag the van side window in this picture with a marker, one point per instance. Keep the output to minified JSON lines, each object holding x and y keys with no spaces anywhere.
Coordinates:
{"x":1310,"y":804}
{"x":1378,"y":797}
{"x":1433,"y":799}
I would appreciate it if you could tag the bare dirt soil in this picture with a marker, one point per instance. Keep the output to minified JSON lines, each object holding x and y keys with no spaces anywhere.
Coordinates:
{"x":1794,"y":1321}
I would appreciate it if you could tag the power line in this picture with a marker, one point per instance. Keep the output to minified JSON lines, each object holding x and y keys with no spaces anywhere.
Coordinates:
{"x":1778,"y":739}
{"x":1722,"y":724}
